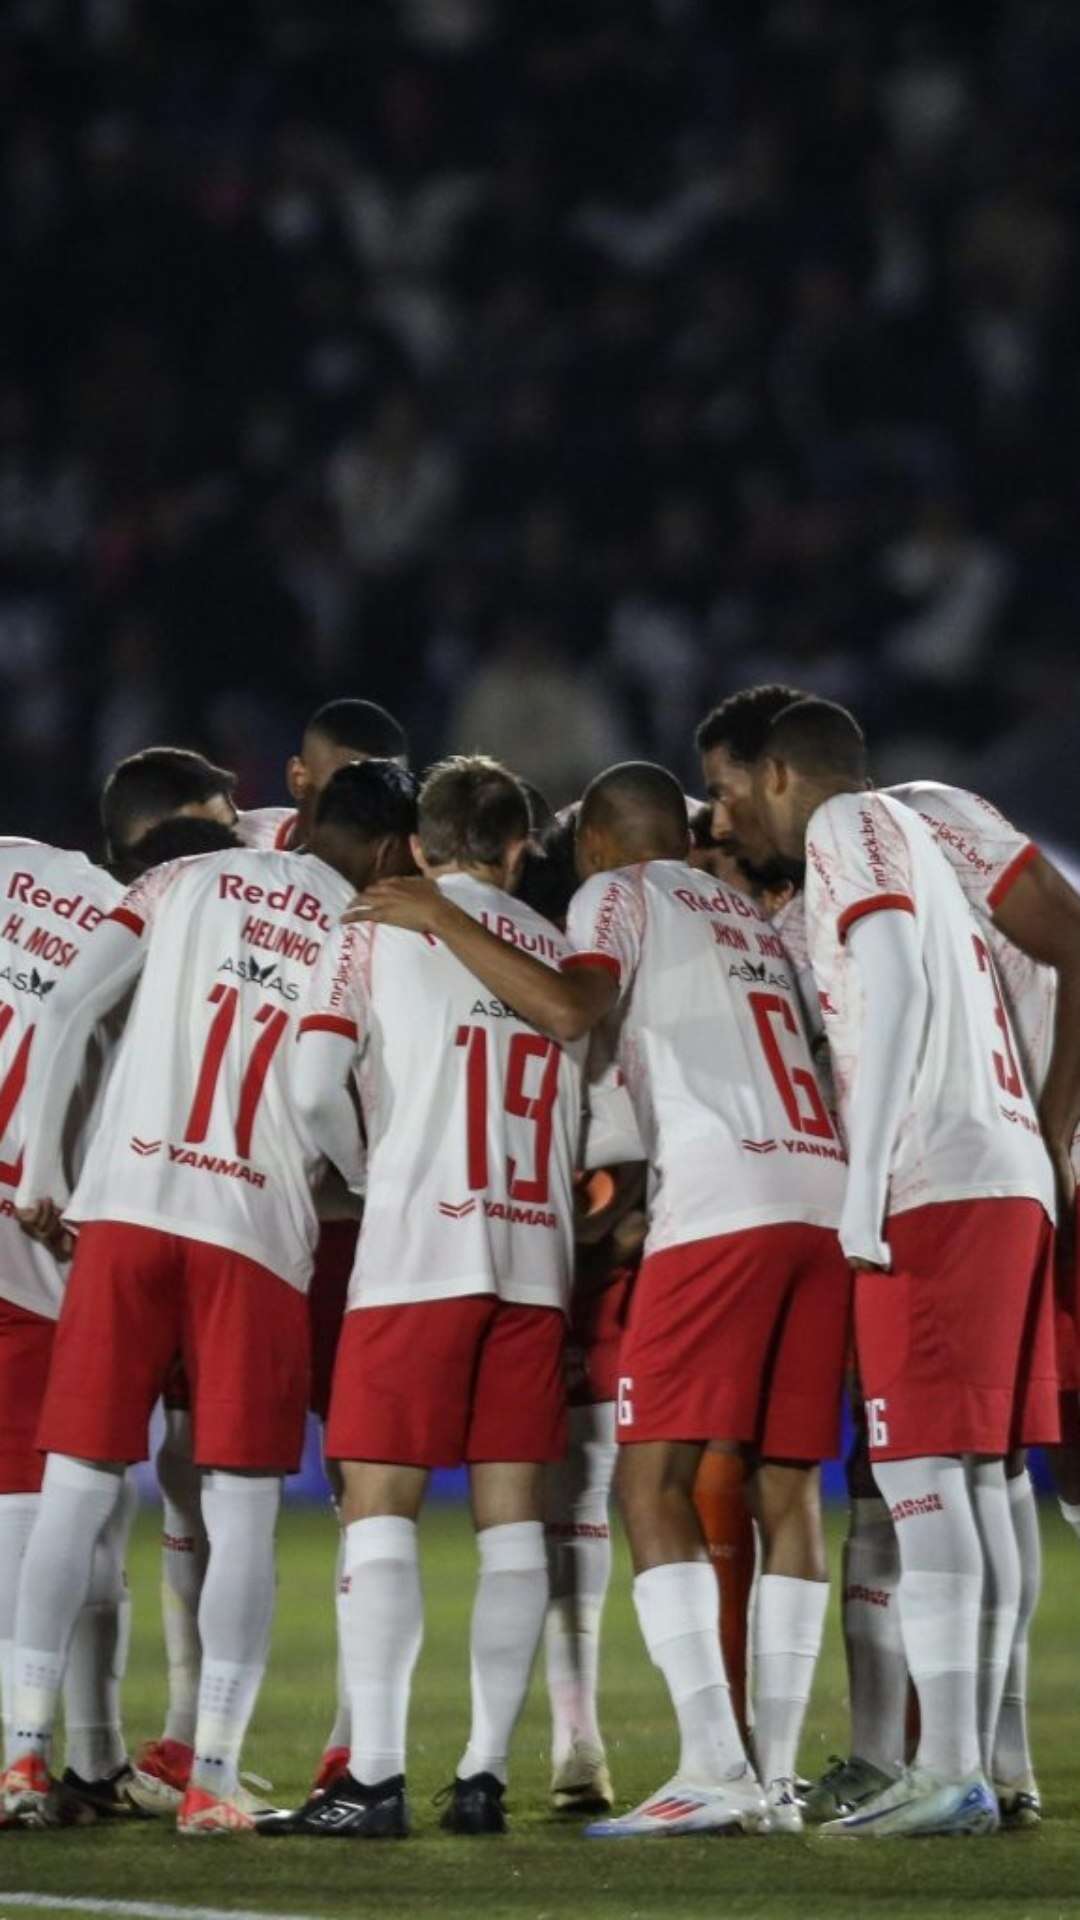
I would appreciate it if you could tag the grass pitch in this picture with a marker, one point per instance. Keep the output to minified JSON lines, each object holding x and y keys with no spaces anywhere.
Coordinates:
{"x":545,"y":1870}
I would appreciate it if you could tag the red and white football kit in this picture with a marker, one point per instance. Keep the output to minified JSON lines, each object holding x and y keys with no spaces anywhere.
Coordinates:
{"x":987,"y":854}
{"x":50,"y":903}
{"x":452,"y":1344}
{"x":197,"y":1220}
{"x":267,"y":829}
{"x":739,"y":1320}
{"x":955,"y":1343}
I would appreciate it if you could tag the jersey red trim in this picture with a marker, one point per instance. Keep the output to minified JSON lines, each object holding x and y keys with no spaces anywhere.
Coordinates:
{"x":125,"y":918}
{"x":284,"y":833}
{"x":330,"y":1023}
{"x":877,"y":903}
{"x":605,"y":961}
{"x":1010,"y":874}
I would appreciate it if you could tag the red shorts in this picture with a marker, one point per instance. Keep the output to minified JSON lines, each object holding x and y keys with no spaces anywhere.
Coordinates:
{"x":334,"y":1258}
{"x":1068,"y":1317}
{"x":26,"y":1343}
{"x":445,"y":1381}
{"x":742,"y":1337}
{"x":598,"y":1316}
{"x":136,"y":1298}
{"x":956,"y":1344}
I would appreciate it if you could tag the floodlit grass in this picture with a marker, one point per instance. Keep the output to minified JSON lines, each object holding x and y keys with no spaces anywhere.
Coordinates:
{"x":546,"y":1870}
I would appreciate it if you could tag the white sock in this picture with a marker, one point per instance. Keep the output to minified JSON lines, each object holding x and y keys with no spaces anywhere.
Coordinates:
{"x":340,"y":1734}
{"x":579,"y":1569}
{"x":941,"y":1586}
{"x":678,"y":1612}
{"x":1071,"y":1516}
{"x":508,"y":1619}
{"x":1001,"y":1595}
{"x":873,"y":1643}
{"x":1012,"y":1751}
{"x":184,"y":1553}
{"x":788,"y":1624}
{"x":382,"y":1625}
{"x":18,"y":1511}
{"x":97,"y":1655}
{"x":235,"y":1615}
{"x":77,"y":1501}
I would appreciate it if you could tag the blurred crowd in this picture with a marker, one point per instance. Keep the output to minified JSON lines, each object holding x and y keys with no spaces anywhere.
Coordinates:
{"x":543,"y":368}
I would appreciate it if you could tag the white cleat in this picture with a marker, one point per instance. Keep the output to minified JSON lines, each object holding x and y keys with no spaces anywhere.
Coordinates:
{"x":845,"y":1786}
{"x":582,"y":1783}
{"x":921,"y":1803}
{"x":785,"y":1815}
{"x":738,"y":1806}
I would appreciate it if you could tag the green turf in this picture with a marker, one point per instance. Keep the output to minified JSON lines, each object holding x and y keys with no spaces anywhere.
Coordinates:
{"x":545,"y":1869}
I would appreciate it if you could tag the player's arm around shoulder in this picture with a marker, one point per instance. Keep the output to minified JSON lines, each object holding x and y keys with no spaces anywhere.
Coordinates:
{"x":328,"y":1040}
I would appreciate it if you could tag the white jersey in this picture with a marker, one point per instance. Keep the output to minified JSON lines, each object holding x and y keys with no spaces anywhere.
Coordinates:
{"x":970,"y":1130}
{"x":987,"y":854}
{"x":198,"y":1136}
{"x":267,"y":829}
{"x":50,"y":902}
{"x":473,"y":1118}
{"x":716,"y":1058}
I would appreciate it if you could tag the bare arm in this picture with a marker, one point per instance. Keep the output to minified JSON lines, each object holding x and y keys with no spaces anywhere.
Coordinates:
{"x":564,"y":1005}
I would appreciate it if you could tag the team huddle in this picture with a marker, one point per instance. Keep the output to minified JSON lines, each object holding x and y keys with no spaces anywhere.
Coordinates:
{"x":603,"y":1154}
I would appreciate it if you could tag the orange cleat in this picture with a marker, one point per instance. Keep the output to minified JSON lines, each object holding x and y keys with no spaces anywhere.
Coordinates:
{"x":28,"y":1792}
{"x":203,"y":1812}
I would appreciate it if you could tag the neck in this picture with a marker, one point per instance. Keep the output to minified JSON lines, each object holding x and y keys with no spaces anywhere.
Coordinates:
{"x":491,"y":876}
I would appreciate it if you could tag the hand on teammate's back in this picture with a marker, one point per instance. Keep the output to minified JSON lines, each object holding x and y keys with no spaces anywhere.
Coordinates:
{"x":413,"y":904}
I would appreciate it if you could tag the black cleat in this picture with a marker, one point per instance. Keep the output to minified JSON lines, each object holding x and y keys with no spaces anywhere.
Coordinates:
{"x":476,"y":1805}
{"x":345,"y":1811}
{"x":78,"y":1802}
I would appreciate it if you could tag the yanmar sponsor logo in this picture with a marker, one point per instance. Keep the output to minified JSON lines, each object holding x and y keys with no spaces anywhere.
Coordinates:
{"x":508,"y":1210}
{"x":817,"y":1149}
{"x":869,"y":1596}
{"x":200,"y":1162}
{"x":1017,"y":1119}
{"x":913,"y":1509}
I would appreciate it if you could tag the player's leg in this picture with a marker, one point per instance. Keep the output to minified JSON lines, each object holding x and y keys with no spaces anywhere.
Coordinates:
{"x":26,"y":1341}
{"x":327,"y":1298}
{"x":334,"y":1760}
{"x":1001,"y":1594}
{"x":1012,"y":1769}
{"x":789,"y":1620}
{"x":113,"y":1343}
{"x":244,"y":1342}
{"x":163,"y":1766}
{"x":517,"y":1429}
{"x":720,"y":1498}
{"x":578,"y":1491}
{"x":98,"y":1772}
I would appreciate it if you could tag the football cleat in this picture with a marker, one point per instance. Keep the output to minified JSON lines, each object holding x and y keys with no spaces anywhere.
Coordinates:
{"x":843,"y":1787}
{"x":1019,"y":1804}
{"x":921,"y":1803}
{"x":345,"y":1810}
{"x":203,"y":1812}
{"x":162,"y":1773}
{"x":110,"y":1798}
{"x":582,"y":1783}
{"x":29,"y":1793}
{"x":476,"y":1805}
{"x":738,"y":1806}
{"x":785,"y":1814}
{"x":332,"y":1767}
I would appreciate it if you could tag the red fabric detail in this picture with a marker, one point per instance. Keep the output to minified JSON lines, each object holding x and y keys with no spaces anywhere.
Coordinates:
{"x":125,"y":918}
{"x":330,"y":1023}
{"x":1011,"y":874}
{"x":605,"y":961}
{"x":877,"y":903}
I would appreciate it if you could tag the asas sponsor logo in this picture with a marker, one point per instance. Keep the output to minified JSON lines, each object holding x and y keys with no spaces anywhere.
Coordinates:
{"x":270,"y":978}
{"x":756,"y":974}
{"x":491,"y":1010}
{"x":32,"y":983}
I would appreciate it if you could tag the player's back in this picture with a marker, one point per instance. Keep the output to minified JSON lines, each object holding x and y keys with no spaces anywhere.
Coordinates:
{"x":716,"y":1055}
{"x":266,"y":829}
{"x":473,"y":1118}
{"x":199,"y":1136}
{"x":51,"y":900}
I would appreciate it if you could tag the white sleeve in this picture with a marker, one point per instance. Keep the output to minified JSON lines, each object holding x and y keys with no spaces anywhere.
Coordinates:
{"x":111,"y":959}
{"x":611,"y":1136}
{"x":885,"y":949}
{"x":322,"y":1062}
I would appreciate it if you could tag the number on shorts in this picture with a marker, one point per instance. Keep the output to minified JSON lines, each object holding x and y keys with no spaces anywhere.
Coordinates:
{"x":273,"y":1023}
{"x":1008,"y":1073}
{"x":11,"y":1091}
{"x":530,"y":1188}
{"x":790,"y":1081}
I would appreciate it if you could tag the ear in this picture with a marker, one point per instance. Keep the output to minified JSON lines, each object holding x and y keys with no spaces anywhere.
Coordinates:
{"x":515,"y":854}
{"x":776,"y":776}
{"x":417,"y":851}
{"x":297,"y":778}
